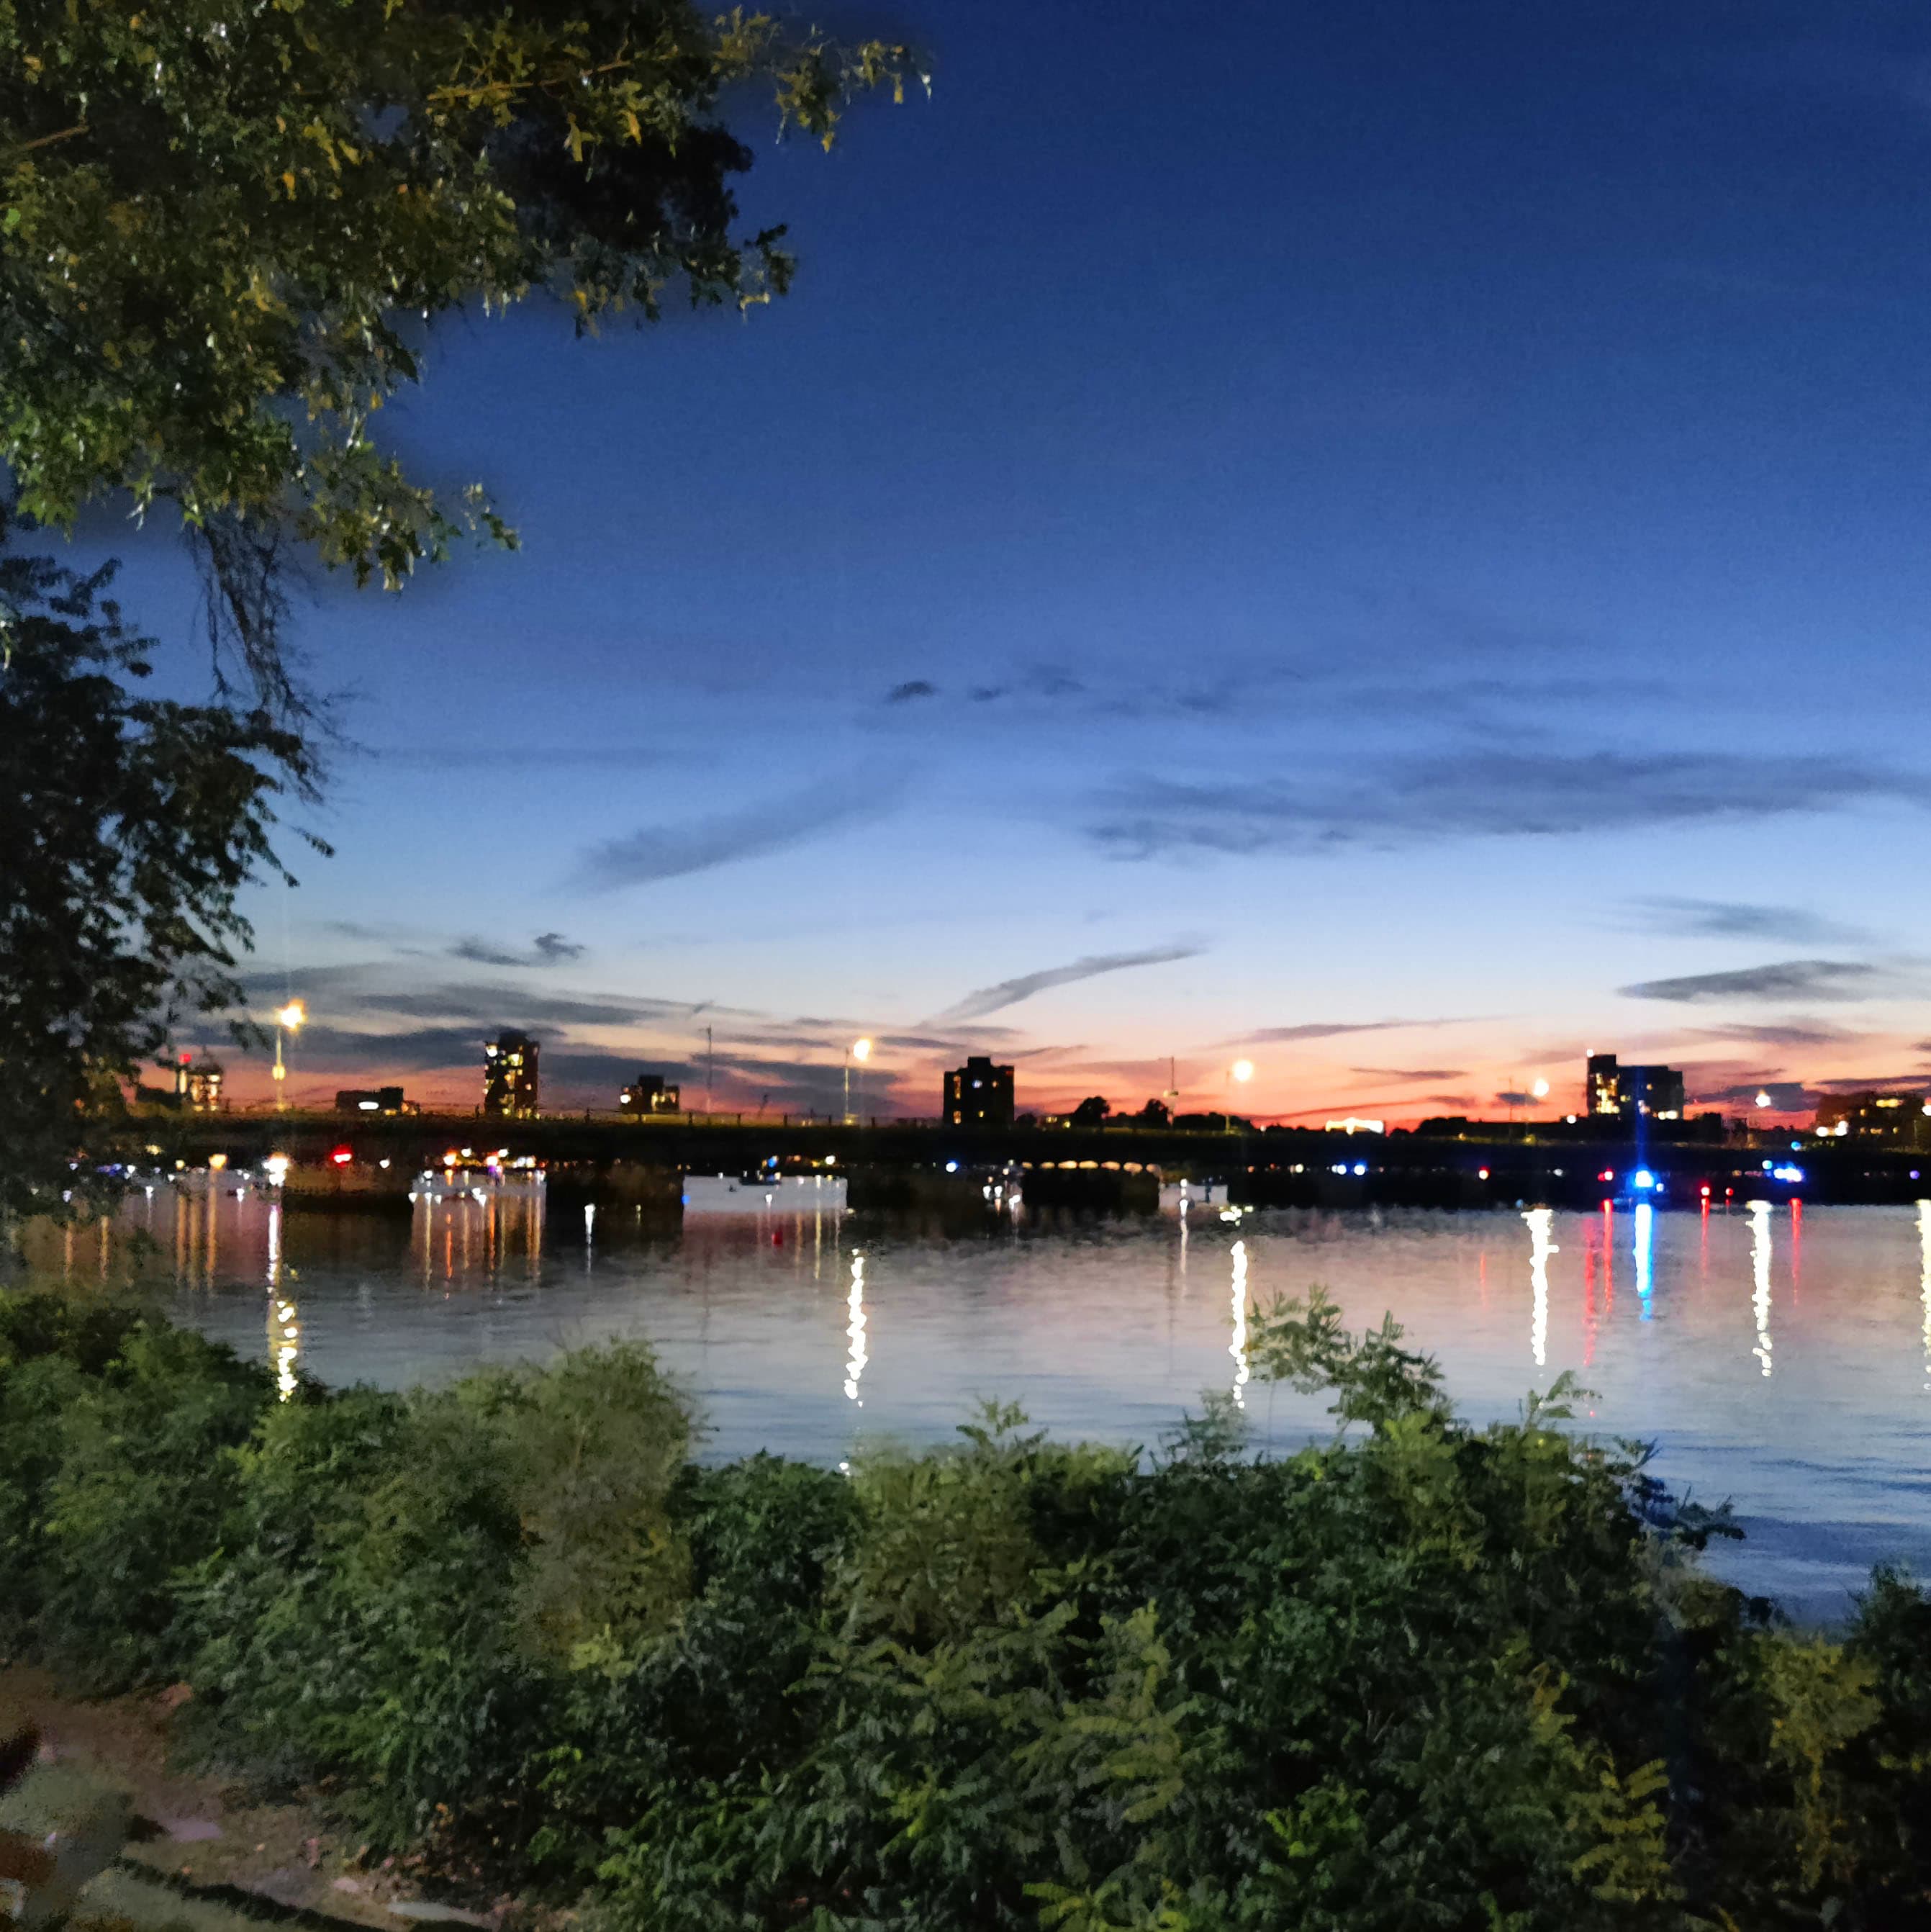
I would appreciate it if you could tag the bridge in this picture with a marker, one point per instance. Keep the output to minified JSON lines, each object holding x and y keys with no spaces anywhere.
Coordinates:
{"x":1551,"y":1165}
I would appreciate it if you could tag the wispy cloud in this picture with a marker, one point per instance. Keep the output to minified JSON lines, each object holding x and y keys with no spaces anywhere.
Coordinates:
{"x":1785,"y":1032}
{"x":1286,"y":1035}
{"x":1010,"y":992}
{"x":410,"y":1050}
{"x":520,"y":758}
{"x":1409,"y":1075}
{"x":1784,"y":980}
{"x":1489,"y":794}
{"x":1730,"y":919}
{"x":1909,"y":1082}
{"x":913,"y":687}
{"x":546,"y":949}
{"x":671,"y":851}
{"x":1786,"y":1096}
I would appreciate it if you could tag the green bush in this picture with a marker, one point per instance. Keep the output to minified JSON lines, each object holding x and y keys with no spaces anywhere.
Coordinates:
{"x":115,"y":1436}
{"x":406,"y":1585}
{"x":1419,"y":1675}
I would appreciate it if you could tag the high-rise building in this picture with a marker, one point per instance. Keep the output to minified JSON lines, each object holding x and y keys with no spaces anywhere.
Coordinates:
{"x":652,"y":1093}
{"x":1632,"y":1093}
{"x":978,"y":1094}
{"x":197,"y":1084}
{"x":1870,"y":1115}
{"x":509,"y":1076}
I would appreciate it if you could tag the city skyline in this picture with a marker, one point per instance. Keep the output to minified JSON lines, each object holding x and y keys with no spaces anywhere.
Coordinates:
{"x":1421,"y":584}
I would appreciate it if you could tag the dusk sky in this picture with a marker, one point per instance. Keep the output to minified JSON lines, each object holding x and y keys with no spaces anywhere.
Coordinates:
{"x":1390,"y":540}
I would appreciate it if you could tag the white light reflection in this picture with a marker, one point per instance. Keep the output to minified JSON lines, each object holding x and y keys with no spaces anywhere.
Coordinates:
{"x":1759,"y":1213}
{"x":855,"y":1328}
{"x":284,"y":1320}
{"x":1540,"y":1220}
{"x":1924,"y":1279}
{"x":1237,"y":1348}
{"x":1645,"y":1233}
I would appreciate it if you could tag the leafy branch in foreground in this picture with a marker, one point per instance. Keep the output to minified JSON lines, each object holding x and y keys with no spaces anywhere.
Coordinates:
{"x":133,"y":823}
{"x":1373,"y":1379}
{"x":227,"y":227}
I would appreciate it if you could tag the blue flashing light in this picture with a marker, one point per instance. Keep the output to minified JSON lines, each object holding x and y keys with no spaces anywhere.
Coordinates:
{"x":1642,"y":1178}
{"x":1766,"y":1167}
{"x":1360,"y":1167}
{"x":952,"y":1167}
{"x":1787,"y":1174}
{"x":1797,"y":1146}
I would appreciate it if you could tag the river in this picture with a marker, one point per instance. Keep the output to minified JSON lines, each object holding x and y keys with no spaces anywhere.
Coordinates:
{"x":1777,"y":1356}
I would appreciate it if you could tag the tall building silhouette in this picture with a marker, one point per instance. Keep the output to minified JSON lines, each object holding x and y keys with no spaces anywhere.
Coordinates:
{"x":978,"y":1094}
{"x":509,"y":1076}
{"x":1628,"y":1093}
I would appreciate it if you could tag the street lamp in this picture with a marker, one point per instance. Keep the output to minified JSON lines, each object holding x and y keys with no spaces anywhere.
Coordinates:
{"x":287,"y":1020}
{"x":1242,"y":1070}
{"x":860,"y":1050}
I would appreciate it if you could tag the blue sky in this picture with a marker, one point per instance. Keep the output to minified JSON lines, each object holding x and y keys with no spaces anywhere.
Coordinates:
{"x":1388,"y":540}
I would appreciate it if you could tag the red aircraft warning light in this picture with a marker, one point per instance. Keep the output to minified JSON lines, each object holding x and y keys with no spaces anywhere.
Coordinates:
{"x":342,"y":1156}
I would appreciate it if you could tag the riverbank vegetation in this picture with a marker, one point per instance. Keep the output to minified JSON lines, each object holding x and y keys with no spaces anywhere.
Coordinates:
{"x":1419,"y":1674}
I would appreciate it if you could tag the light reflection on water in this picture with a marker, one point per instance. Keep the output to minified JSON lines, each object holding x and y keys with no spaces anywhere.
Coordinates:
{"x":777,"y":1324}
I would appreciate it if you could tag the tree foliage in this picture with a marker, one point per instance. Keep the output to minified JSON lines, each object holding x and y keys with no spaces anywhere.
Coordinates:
{"x":226,"y":225}
{"x":132,"y":822}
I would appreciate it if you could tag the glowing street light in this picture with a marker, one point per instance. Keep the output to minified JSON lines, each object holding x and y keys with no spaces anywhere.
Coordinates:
{"x":860,"y":1050}
{"x":1242,"y":1070}
{"x":288,"y":1020}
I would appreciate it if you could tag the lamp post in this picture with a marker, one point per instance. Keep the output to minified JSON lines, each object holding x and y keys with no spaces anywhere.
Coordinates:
{"x":1242,"y":1071}
{"x":1763,"y":1100}
{"x":860,"y":1050}
{"x":287,"y":1020}
{"x":1538,"y":1090}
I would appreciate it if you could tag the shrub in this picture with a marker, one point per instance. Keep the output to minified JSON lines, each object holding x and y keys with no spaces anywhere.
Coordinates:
{"x":407,"y":1582}
{"x":116,"y":1432}
{"x":1418,"y":1676}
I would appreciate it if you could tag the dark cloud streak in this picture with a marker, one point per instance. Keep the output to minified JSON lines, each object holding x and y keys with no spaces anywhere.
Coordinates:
{"x":1782,"y":979}
{"x":673,"y":851}
{"x":1010,"y":992}
{"x":547,"y":949}
{"x":1730,"y":919}
{"x":1480,"y":794}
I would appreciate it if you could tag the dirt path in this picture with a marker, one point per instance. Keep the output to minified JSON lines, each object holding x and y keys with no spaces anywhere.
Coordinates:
{"x":203,"y":1853}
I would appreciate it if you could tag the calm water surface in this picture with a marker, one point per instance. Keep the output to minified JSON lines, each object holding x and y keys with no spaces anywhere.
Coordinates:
{"x":1781,"y":1359}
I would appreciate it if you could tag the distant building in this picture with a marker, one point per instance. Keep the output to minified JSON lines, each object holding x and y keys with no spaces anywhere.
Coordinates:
{"x":197,"y":1084}
{"x":652,"y":1093}
{"x":978,"y":1094}
{"x":1871,"y":1116}
{"x":1631,"y":1092}
{"x":509,"y":1076}
{"x":384,"y":1100}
